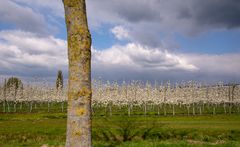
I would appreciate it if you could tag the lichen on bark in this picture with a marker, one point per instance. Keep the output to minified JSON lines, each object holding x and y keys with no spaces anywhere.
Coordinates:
{"x":79,"y":85}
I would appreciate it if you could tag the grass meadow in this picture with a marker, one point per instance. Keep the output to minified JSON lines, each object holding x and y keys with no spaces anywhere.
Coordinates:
{"x":45,"y":129}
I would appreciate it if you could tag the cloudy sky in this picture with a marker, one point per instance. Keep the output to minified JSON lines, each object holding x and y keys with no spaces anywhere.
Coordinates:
{"x":132,"y":39}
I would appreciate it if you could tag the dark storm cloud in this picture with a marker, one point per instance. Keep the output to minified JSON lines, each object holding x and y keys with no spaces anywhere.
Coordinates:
{"x":219,"y":13}
{"x":184,"y":13}
{"x":149,"y":38}
{"x":146,"y":19}
{"x":132,"y":12}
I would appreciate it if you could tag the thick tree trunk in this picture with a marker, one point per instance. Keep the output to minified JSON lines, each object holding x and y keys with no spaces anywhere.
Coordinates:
{"x":79,"y":84}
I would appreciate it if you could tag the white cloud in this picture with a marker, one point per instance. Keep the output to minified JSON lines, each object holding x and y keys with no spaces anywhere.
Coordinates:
{"x":223,"y":64}
{"x":120,"y":32}
{"x":55,"y":6}
{"x":31,"y":50}
{"x":136,"y":62}
{"x":25,"y":52}
{"x":32,"y":42}
{"x":22,"y":17}
{"x":141,"y":57}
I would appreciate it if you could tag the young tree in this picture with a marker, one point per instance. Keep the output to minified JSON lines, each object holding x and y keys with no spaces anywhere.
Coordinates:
{"x":79,"y":83}
{"x":15,"y":84}
{"x":59,"y":81}
{"x":4,"y":95}
{"x":14,"y":91}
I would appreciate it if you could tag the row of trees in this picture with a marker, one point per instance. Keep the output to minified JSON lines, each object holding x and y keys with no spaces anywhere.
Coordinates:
{"x":14,"y":92}
{"x":130,"y":95}
{"x":188,"y":94}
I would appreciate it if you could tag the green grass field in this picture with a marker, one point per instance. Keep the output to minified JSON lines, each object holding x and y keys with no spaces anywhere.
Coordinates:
{"x":48,"y":129}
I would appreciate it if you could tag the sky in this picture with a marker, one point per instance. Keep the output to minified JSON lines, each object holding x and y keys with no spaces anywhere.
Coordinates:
{"x":144,"y":40}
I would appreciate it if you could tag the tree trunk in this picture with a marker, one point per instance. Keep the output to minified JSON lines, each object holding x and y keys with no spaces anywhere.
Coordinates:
{"x":62,"y":106}
{"x":188,"y":107}
{"x":20,"y":106}
{"x":158,"y":109}
{"x":48,"y":106}
{"x":173,"y":109}
{"x":129,"y":110}
{"x":79,"y":82}
{"x":30,"y":110}
{"x":110,"y":109}
{"x":145,"y":109}
{"x":164,"y":109}
{"x":224,"y":107}
{"x":8,"y":106}
{"x":193,"y":108}
{"x":4,"y":106}
{"x":238,"y":109}
{"x":14,"y":106}
{"x":200,"y":110}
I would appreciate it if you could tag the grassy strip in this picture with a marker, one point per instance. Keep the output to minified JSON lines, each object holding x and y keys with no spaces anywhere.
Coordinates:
{"x":37,"y":129}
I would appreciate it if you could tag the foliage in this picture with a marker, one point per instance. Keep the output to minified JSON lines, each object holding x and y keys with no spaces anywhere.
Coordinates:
{"x":59,"y":80}
{"x":13,"y":85}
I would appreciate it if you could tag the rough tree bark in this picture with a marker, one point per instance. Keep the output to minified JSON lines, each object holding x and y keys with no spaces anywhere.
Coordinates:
{"x":79,"y":82}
